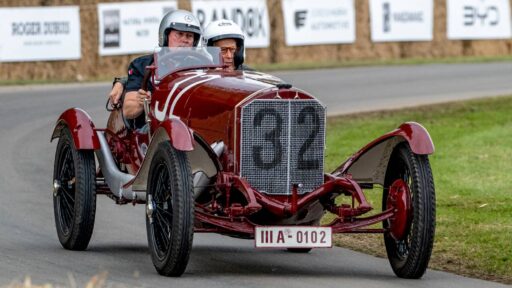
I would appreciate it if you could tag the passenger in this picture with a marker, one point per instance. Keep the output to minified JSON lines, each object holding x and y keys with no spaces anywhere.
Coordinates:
{"x":228,"y":36}
{"x":178,"y":28}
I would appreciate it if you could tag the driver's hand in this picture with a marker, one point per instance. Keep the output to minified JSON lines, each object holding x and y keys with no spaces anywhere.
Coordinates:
{"x":115,"y":94}
{"x":141,"y":95}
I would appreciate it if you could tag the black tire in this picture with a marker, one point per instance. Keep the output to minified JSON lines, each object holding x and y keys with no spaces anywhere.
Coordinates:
{"x":74,"y":196}
{"x":170,"y":210}
{"x":409,"y":255}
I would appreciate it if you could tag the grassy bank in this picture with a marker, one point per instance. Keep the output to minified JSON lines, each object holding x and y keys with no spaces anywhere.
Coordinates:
{"x":472,"y":169}
{"x":377,"y":62}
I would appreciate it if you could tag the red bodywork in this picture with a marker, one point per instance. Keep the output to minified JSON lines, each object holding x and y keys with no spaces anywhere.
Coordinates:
{"x":195,"y":108}
{"x":82,"y":128}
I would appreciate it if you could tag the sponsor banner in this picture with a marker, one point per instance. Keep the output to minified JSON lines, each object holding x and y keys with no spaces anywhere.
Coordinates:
{"x":399,"y":20}
{"x":478,"y":19}
{"x":251,"y":15}
{"x":325,"y":22}
{"x":130,"y":27}
{"x":36,"y":33}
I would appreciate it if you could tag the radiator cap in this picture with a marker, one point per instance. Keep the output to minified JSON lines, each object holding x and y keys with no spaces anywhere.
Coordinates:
{"x":283,"y":86}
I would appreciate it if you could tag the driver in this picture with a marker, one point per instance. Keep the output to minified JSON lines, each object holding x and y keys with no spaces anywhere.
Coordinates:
{"x":178,"y":28}
{"x":228,"y":36}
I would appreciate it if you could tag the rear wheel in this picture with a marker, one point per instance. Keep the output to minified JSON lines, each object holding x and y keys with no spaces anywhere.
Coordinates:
{"x":74,"y":193}
{"x":409,"y":188}
{"x":170,"y":210}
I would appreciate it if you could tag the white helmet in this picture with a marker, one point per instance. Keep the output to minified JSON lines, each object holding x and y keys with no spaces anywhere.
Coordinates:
{"x":226,"y":29}
{"x":179,"y":20}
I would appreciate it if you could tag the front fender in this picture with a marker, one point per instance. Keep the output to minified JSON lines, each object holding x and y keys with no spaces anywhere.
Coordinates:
{"x":178,"y":133}
{"x":173,"y":130}
{"x":81,"y":127}
{"x":369,"y":164}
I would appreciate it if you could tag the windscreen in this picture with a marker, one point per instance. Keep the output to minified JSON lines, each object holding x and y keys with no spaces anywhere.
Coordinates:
{"x":170,"y":59}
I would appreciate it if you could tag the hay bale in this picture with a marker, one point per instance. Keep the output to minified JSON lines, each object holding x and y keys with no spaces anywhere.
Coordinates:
{"x":92,"y":66}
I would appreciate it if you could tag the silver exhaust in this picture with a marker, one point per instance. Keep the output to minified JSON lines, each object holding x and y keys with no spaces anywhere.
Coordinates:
{"x":201,"y":180}
{"x":114,"y":178}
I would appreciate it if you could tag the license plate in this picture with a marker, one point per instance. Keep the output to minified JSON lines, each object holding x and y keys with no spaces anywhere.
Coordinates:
{"x":293,"y":237}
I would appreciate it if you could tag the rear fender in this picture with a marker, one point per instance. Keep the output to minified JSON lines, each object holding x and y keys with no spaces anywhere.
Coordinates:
{"x":173,"y":130}
{"x":81,"y":127}
{"x":369,"y":164}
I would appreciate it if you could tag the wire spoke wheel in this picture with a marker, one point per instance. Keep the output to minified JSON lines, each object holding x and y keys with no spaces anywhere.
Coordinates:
{"x":170,"y":210}
{"x":409,"y":189}
{"x":163,"y":204}
{"x":65,"y":193}
{"x":74,"y":193}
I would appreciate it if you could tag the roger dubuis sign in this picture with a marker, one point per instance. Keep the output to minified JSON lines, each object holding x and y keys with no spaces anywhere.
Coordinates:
{"x":39,"y":33}
{"x":398,"y":20}
{"x":478,"y":19}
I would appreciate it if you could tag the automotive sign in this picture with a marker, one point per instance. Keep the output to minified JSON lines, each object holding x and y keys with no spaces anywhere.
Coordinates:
{"x":250,"y":15}
{"x":325,"y":22}
{"x":478,"y":19}
{"x":39,"y":33}
{"x":399,"y":20}
{"x":130,"y":27}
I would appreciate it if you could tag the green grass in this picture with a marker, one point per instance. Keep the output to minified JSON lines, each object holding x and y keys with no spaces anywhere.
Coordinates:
{"x":472,"y":168}
{"x":296,"y":65}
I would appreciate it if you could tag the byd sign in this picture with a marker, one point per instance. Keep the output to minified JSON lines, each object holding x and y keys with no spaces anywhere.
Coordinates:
{"x":489,"y":15}
{"x":478,"y":19}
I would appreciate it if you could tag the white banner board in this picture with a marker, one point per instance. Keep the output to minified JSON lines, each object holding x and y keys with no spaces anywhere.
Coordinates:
{"x":324,"y":22}
{"x":130,"y":27}
{"x":37,"y":33}
{"x":478,"y":19}
{"x":399,"y":20}
{"x":250,"y":15}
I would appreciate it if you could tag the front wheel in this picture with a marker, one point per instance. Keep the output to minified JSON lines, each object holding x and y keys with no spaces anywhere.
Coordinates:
{"x":74,"y":193}
{"x":170,"y":210}
{"x":409,"y":189}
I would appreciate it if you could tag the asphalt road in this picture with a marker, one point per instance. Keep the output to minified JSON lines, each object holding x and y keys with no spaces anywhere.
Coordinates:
{"x":368,"y":88}
{"x":29,"y":244}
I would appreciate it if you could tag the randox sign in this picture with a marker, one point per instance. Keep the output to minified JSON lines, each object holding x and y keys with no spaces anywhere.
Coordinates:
{"x":250,"y":15}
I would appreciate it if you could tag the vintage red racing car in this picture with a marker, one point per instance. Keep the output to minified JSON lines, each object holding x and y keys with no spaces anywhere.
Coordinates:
{"x":241,"y":154}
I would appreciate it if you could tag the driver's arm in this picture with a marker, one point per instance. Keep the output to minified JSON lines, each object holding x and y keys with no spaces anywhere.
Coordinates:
{"x":133,"y":104}
{"x":117,"y":90}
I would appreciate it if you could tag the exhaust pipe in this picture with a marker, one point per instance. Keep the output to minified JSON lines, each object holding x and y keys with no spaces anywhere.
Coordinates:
{"x":114,"y":178}
{"x":201,"y":180}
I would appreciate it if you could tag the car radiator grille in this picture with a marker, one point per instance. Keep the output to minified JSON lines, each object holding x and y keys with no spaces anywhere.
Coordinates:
{"x":282,"y":144}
